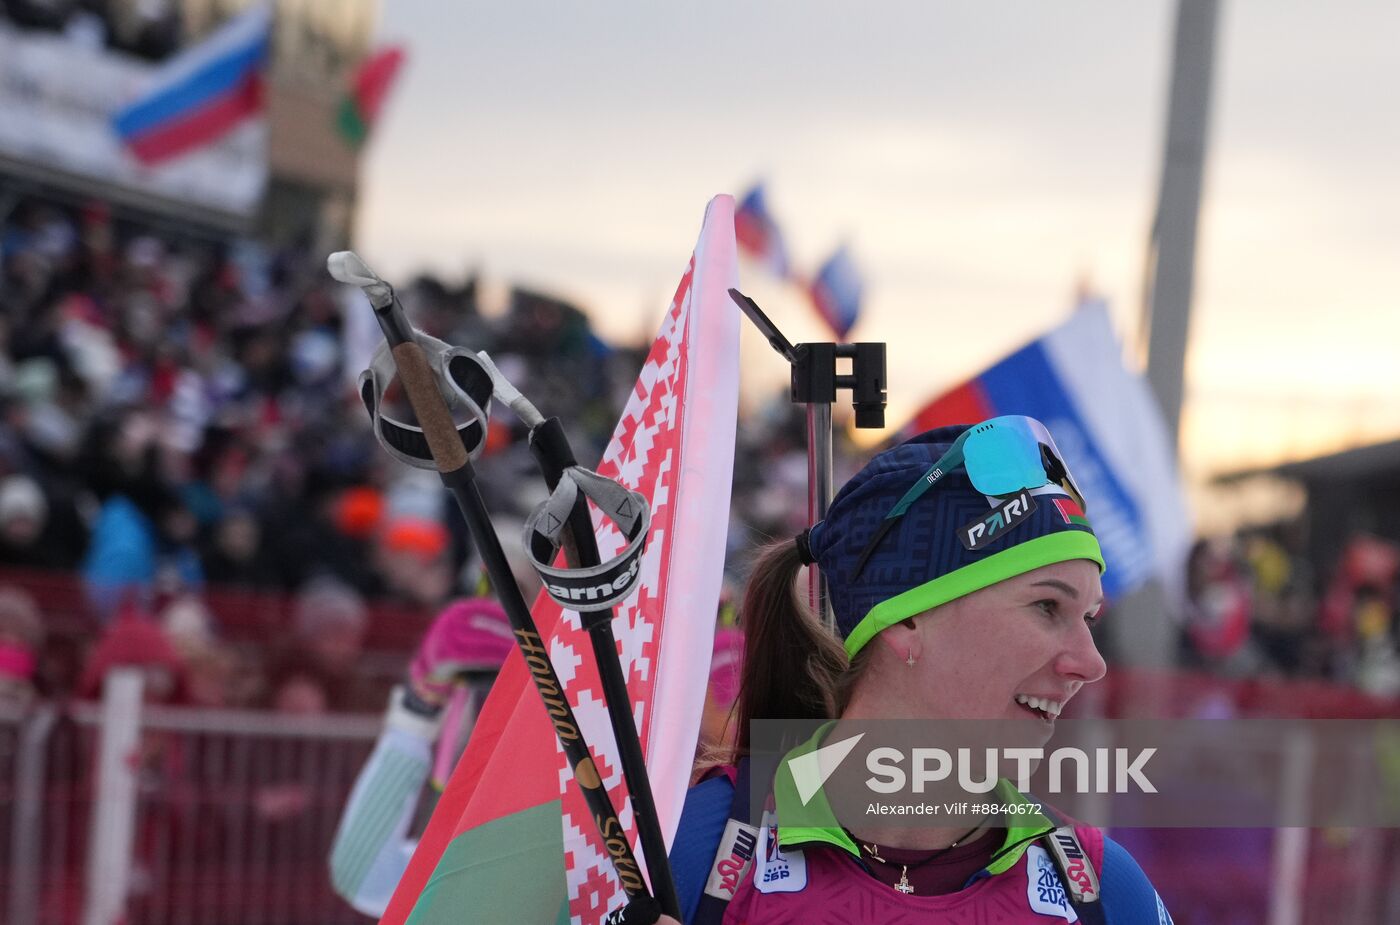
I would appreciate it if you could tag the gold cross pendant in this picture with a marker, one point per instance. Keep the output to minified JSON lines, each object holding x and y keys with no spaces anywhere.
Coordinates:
{"x":903,"y":884}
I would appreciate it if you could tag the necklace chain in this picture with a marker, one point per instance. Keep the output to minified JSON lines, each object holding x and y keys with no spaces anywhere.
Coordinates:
{"x":903,"y":886}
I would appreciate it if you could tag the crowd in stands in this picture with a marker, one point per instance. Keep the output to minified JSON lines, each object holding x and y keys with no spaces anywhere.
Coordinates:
{"x":179,"y":421}
{"x":180,"y":427}
{"x":150,"y":30}
{"x":1258,"y":606}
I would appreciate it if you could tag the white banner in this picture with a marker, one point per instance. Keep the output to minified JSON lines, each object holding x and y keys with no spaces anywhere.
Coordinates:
{"x":56,"y":103}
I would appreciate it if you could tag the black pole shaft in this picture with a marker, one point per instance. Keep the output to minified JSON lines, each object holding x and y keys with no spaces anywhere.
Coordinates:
{"x":459,"y":477}
{"x":551,"y":450}
{"x":462,"y":485}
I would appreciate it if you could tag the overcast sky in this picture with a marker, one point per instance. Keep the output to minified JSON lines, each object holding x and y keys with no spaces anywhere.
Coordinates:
{"x":979,"y":160}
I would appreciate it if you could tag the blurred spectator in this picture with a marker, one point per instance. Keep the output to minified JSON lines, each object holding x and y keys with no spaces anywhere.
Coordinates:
{"x":121,"y":562}
{"x":150,"y":29}
{"x":215,"y":674}
{"x":306,"y":539}
{"x":1285,"y":605}
{"x":40,"y":14}
{"x":1218,"y":621}
{"x":235,"y":555}
{"x":139,"y":544}
{"x":52,"y":404}
{"x":359,"y":511}
{"x":1359,"y":615}
{"x":23,"y":514}
{"x":188,"y":624}
{"x":1375,"y":662}
{"x":218,"y":677}
{"x":21,"y":641}
{"x":39,"y":527}
{"x":301,"y":691}
{"x":1369,"y":565}
{"x":455,"y":663}
{"x":134,"y":640}
{"x":328,"y":633}
{"x":412,"y":555}
{"x":329,"y":623}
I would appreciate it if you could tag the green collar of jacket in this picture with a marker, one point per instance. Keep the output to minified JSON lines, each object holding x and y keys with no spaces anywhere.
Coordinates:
{"x":1021,"y":829}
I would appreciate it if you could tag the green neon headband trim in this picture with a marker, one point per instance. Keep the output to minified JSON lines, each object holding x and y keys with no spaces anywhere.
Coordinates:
{"x":1019,"y":559}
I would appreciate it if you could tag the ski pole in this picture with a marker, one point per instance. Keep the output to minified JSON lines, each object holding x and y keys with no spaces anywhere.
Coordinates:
{"x":459,"y":478}
{"x":550,"y":447}
{"x":551,"y":450}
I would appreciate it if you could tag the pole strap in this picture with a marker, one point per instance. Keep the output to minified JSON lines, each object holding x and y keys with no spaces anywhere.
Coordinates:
{"x":468,"y":381}
{"x":465,"y":384}
{"x":601,"y":586}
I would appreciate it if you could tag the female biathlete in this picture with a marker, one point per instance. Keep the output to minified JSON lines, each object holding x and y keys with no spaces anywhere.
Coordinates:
{"x":937,"y":620}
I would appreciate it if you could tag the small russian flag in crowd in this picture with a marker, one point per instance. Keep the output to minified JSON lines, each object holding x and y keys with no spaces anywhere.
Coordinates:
{"x":201,"y":93}
{"x":836,"y":292}
{"x":757,"y":233}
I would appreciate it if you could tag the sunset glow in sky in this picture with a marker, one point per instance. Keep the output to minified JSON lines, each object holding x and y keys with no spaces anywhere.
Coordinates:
{"x":979,"y":161}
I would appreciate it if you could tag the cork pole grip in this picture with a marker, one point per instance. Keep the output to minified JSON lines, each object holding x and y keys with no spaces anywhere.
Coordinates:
{"x":429,"y":408}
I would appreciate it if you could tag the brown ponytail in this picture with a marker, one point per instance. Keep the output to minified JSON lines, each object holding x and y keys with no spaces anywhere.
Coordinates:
{"x":792,"y":664}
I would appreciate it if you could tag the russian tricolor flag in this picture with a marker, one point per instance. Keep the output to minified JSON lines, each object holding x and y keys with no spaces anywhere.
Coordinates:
{"x":836,"y":292}
{"x":1108,"y":425}
{"x":202,"y":93}
{"x":757,"y":233}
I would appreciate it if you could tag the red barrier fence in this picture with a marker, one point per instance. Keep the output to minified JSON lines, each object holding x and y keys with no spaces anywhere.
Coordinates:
{"x":229,"y":822}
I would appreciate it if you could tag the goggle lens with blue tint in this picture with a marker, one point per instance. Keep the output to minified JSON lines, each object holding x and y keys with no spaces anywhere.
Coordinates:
{"x":1002,"y":455}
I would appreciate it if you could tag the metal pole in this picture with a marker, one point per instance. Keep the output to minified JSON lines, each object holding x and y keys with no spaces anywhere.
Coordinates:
{"x":114,"y":812}
{"x":819,"y":491}
{"x":1290,"y":850}
{"x":1142,"y":632}
{"x":26,"y":834}
{"x":815,"y":383}
{"x":1173,"y":252}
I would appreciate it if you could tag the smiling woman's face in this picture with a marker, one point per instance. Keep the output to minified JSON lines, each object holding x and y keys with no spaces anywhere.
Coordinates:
{"x":1019,"y":649}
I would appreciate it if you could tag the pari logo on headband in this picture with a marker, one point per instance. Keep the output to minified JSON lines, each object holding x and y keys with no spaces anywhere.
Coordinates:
{"x":986,"y":530}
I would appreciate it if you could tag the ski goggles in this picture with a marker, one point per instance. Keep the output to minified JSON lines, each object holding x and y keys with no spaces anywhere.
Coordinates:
{"x":1002,"y":456}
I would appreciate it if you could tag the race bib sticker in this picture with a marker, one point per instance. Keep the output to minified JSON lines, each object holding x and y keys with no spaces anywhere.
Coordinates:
{"x":1043,"y":887}
{"x":776,"y":870}
{"x":733,"y":859}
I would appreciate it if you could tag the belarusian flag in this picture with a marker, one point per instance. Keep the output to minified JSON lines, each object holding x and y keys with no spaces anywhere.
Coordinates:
{"x":511,"y":839}
{"x":365,"y":98}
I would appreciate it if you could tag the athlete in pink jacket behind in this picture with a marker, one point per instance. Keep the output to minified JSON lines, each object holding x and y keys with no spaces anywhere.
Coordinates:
{"x":935,"y":620}
{"x":460,"y":655}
